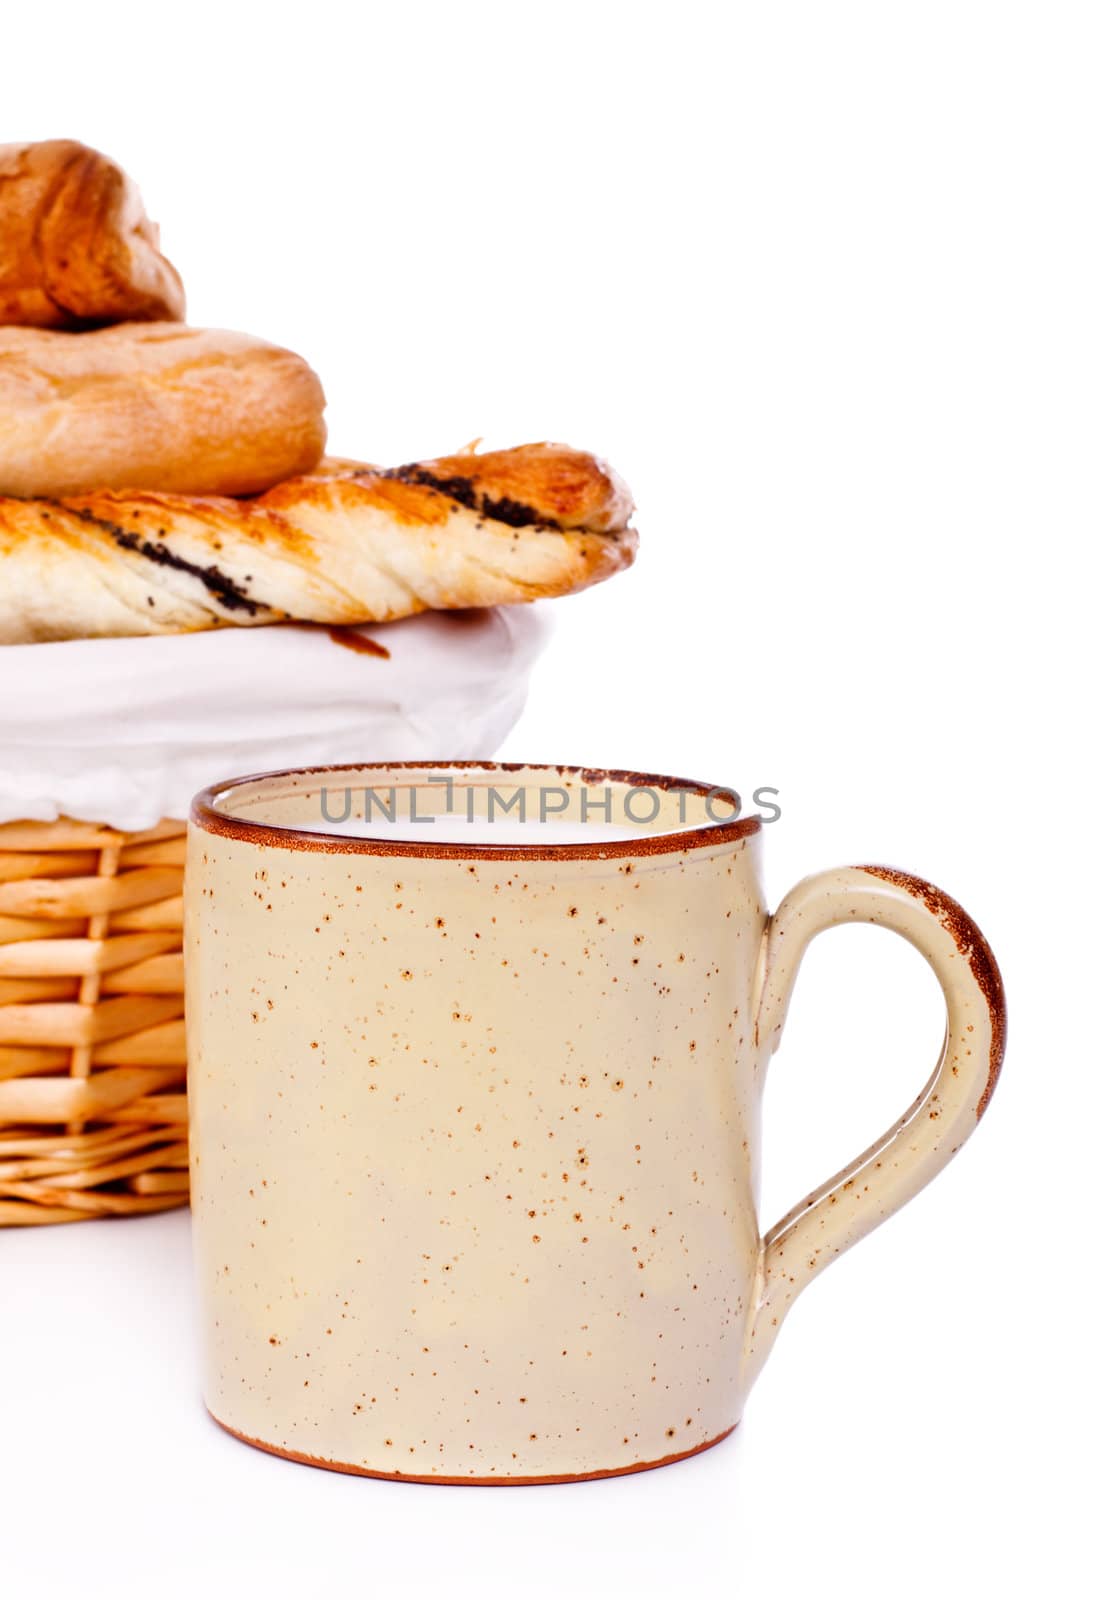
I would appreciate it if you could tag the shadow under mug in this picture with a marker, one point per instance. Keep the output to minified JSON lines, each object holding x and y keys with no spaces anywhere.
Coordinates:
{"x":475,"y":1114}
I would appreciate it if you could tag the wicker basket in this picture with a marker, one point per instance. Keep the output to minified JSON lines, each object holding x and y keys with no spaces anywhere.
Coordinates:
{"x":92,"y":1046}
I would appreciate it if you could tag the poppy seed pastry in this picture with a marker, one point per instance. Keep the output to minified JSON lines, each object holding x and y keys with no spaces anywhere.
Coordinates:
{"x":347,"y":544}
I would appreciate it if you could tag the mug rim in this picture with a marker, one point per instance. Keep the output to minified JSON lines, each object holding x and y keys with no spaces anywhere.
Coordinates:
{"x":205,"y":815}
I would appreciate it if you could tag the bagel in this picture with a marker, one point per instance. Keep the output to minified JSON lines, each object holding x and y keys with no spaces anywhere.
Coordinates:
{"x":153,"y":405}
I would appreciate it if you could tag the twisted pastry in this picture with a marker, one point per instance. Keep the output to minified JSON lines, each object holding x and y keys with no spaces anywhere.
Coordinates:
{"x":347,"y":544}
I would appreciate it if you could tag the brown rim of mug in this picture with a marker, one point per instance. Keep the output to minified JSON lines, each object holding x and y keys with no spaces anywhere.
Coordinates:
{"x":204,"y":815}
{"x":485,"y":1481}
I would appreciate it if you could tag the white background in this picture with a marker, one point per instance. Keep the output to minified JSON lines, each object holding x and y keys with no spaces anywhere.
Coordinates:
{"x":817,"y":279}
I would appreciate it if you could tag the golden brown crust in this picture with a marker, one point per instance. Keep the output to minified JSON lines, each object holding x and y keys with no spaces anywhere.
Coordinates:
{"x":153,"y":405}
{"x":545,"y":483}
{"x":346,"y":544}
{"x":76,"y":247}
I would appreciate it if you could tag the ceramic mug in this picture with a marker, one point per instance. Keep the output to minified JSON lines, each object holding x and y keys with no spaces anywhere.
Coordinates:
{"x":475,"y":1119}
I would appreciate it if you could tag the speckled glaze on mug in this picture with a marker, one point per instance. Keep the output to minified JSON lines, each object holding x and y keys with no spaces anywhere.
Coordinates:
{"x":474,"y":1127}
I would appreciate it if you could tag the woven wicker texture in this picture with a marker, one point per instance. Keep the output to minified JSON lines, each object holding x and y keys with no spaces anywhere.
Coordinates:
{"x":92,"y":1045}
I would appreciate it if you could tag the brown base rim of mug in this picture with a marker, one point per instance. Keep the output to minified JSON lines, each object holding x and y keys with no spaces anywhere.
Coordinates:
{"x":470,"y":1483}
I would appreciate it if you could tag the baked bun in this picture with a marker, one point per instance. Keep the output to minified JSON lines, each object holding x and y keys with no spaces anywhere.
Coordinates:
{"x":347,"y":544}
{"x":153,"y":405}
{"x":76,"y":248}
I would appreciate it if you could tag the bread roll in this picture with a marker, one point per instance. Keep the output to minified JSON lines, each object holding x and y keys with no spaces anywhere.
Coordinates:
{"x":347,"y":544}
{"x":76,"y":248}
{"x":153,"y":405}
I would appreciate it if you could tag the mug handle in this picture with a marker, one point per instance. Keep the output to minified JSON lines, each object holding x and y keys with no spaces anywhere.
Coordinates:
{"x":931,"y":1131}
